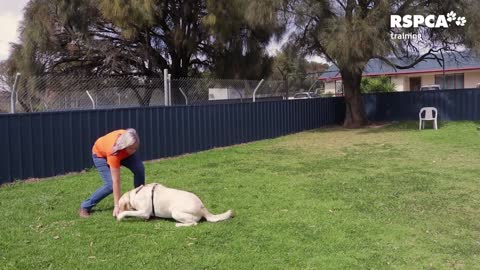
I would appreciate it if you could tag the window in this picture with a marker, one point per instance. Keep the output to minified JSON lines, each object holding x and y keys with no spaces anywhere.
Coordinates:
{"x":451,"y":81}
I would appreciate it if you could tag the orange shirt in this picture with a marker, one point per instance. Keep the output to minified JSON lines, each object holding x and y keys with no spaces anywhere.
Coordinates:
{"x":103,"y":148}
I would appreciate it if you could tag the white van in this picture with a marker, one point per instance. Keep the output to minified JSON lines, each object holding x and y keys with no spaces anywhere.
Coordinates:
{"x":430,"y":87}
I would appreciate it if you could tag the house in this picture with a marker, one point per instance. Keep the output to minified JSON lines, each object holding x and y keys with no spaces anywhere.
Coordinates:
{"x":459,"y":71}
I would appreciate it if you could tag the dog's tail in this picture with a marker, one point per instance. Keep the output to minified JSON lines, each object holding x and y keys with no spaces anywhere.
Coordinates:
{"x":216,"y":218}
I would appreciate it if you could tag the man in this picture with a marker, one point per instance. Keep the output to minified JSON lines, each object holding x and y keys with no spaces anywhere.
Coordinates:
{"x":109,"y":153}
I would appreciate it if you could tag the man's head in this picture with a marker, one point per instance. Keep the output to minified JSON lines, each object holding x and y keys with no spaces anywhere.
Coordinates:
{"x":128,"y":140}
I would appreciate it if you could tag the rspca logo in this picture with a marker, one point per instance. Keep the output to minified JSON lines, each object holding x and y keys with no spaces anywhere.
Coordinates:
{"x":430,"y":21}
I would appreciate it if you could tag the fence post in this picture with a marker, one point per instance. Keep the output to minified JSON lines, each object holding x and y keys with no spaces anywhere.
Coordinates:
{"x":185,"y":96}
{"x":91,"y":98}
{"x":165,"y":86}
{"x":169,"y":89}
{"x":286,"y":87}
{"x":256,"y":88}
{"x":13,"y":95}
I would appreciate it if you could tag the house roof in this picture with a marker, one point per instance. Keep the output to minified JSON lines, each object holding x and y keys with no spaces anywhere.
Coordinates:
{"x":376,"y":67}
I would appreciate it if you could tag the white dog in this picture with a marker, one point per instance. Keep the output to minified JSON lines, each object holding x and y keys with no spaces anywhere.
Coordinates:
{"x":155,"y":200}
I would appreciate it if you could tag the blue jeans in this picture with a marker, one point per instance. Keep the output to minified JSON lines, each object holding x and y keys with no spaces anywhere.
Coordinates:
{"x":133,"y":163}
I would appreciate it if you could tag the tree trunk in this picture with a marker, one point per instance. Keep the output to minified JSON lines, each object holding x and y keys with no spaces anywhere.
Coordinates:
{"x":355,"y":115}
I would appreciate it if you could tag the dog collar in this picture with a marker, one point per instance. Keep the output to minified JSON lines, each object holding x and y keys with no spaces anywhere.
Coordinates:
{"x":153,"y":204}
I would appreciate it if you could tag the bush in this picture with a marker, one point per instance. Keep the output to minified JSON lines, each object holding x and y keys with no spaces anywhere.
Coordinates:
{"x":377,"y":85}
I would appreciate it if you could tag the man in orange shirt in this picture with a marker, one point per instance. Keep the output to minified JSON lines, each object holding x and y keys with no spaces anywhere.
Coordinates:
{"x":109,"y":153}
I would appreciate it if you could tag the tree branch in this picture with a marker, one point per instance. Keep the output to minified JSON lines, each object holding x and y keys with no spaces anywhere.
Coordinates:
{"x":428,"y":55}
{"x":341,"y":4}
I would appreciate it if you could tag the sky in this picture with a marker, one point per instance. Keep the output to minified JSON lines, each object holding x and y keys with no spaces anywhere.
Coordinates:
{"x":11,"y":13}
{"x":274,"y":47}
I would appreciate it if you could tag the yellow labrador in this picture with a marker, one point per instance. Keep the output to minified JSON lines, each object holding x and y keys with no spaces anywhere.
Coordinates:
{"x":155,"y":200}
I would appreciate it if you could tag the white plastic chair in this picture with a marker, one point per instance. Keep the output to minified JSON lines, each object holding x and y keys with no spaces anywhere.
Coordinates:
{"x":429,"y":114}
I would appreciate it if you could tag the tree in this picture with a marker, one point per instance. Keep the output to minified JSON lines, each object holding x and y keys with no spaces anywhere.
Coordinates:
{"x":315,"y":68}
{"x":290,"y":66}
{"x":6,"y":82}
{"x":349,"y":33}
{"x":113,"y":37}
{"x":239,"y":44}
{"x":142,"y":38}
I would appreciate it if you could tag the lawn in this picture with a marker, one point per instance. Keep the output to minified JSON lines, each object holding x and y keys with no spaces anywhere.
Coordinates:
{"x":374,"y":198}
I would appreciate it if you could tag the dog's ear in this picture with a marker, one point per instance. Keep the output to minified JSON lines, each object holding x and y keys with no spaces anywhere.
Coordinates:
{"x":124,"y":202}
{"x":124,"y":206}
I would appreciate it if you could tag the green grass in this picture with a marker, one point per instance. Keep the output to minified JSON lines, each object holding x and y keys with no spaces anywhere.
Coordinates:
{"x":375,"y":198}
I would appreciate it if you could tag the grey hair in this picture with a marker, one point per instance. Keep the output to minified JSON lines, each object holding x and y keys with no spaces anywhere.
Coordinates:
{"x":128,"y":138}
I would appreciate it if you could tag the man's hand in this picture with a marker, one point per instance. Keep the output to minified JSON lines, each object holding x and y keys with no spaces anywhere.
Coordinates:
{"x":116,"y":211}
{"x":116,"y":189}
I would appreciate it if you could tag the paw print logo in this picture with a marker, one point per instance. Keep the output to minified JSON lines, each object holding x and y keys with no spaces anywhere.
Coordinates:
{"x":461,"y":21}
{"x":451,"y":16}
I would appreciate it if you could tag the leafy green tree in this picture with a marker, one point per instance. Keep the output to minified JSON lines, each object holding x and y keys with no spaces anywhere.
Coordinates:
{"x":380,"y":84}
{"x":48,"y":28}
{"x":128,"y":37}
{"x":349,"y":33}
{"x":290,"y":66}
{"x":315,"y":68}
{"x":142,"y":38}
{"x":6,"y":82}
{"x":239,"y":43}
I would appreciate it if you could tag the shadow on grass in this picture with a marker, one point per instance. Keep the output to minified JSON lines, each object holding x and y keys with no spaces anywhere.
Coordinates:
{"x":413,"y":126}
{"x":394,"y":126}
{"x":371,"y":128}
{"x":102,"y":209}
{"x":408,"y":126}
{"x":151,"y":219}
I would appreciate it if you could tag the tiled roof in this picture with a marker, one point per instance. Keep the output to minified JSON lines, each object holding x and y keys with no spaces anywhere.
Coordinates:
{"x":453,"y":61}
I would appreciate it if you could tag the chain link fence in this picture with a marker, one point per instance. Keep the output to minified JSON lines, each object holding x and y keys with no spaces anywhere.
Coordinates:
{"x":4,"y":101}
{"x":55,"y":93}
{"x":60,"y":93}
{"x":202,"y":91}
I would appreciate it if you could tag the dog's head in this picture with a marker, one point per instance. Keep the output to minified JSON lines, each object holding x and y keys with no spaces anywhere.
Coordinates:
{"x":124,"y":202}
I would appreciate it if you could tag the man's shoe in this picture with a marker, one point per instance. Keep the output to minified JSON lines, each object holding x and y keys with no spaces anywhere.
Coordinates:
{"x":84,"y":213}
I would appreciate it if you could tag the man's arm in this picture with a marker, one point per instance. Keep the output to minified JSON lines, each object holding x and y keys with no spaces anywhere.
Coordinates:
{"x":116,"y":188}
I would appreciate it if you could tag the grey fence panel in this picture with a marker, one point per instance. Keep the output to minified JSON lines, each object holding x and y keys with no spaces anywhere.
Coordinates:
{"x":53,"y":143}
{"x":37,"y":145}
{"x":452,"y":105}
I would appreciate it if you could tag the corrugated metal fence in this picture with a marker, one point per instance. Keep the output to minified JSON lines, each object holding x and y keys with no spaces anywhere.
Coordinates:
{"x":53,"y":143}
{"x":452,"y":105}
